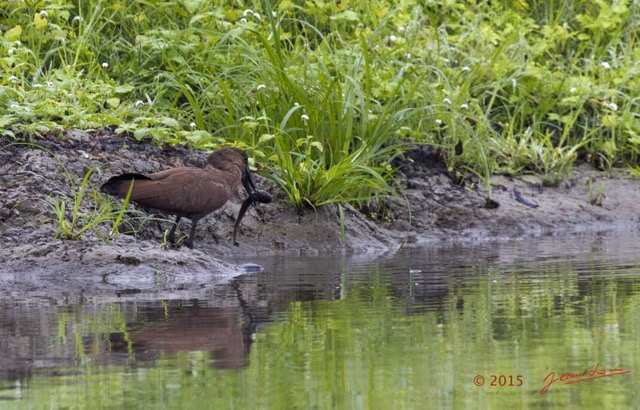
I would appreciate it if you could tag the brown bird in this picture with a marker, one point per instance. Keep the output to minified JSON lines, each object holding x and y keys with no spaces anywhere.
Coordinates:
{"x":187,"y":192}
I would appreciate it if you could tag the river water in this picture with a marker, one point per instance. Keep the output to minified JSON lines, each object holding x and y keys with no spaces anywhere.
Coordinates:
{"x":549,"y":322}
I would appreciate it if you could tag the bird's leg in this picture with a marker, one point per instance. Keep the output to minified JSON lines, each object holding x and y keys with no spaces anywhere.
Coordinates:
{"x":192,"y":234}
{"x":172,"y":232}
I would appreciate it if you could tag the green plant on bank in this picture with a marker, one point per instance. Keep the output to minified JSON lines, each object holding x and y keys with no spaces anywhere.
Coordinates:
{"x":72,"y":222}
{"x":68,"y":210}
{"x":596,"y":197}
{"x":522,"y":86}
{"x":335,"y":142}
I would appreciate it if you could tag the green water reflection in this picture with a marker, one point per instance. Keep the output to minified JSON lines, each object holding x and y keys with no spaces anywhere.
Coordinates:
{"x":379,"y":336}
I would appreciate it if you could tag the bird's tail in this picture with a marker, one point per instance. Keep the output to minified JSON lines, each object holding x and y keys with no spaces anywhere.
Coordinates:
{"x":114,"y":185}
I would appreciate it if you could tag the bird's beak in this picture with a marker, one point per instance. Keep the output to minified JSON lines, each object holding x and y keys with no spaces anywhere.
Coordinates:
{"x":247,"y":180}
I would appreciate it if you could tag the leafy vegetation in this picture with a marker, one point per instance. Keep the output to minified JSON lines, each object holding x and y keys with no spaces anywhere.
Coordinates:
{"x":83,"y":209}
{"x":72,"y":223}
{"x":328,"y":93}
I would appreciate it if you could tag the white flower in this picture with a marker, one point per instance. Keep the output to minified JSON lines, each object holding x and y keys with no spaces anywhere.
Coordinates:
{"x":465,"y":68}
{"x":137,"y":103}
{"x":13,"y":78}
{"x":446,"y":101}
{"x":44,"y":14}
{"x":17,"y":43}
{"x":408,"y":55}
{"x":438,"y":121}
{"x":105,"y":65}
{"x":392,"y":38}
{"x":243,"y":20}
{"x":257,"y":16}
{"x":261,"y":87}
{"x":401,"y":29}
{"x":605,"y":65}
{"x":192,"y":124}
{"x":10,"y":51}
{"x":247,"y":12}
{"x":613,"y":106}
{"x":572,"y":90}
{"x":77,"y":19}
{"x":464,"y":106}
{"x":49,"y":84}
{"x":304,"y":117}
{"x":296,"y":104}
{"x":273,"y":13}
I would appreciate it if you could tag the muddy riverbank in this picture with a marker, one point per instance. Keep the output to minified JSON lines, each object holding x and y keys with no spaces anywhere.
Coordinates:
{"x":589,"y":201}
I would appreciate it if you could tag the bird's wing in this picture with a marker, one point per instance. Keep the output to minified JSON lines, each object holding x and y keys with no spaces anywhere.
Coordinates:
{"x":182,"y":191}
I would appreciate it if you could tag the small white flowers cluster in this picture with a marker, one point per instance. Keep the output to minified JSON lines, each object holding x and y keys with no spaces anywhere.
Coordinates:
{"x":251,"y":13}
{"x":605,"y":65}
{"x":304,"y":116}
{"x":464,"y":106}
{"x":105,"y":65}
{"x":261,"y":87}
{"x":192,"y":124}
{"x":611,"y":106}
{"x":44,"y":14}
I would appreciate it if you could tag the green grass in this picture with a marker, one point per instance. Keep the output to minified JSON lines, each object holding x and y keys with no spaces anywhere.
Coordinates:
{"x":83,"y":209}
{"x":69,"y":215}
{"x":327,"y":94}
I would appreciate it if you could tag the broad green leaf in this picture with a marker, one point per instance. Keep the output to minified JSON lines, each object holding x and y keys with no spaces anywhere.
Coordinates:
{"x":192,"y":5}
{"x":123,"y":89}
{"x":266,"y":137}
{"x":318,"y":145}
{"x":39,"y":22}
{"x":609,"y":121}
{"x":170,"y":122}
{"x":113,"y":102}
{"x":13,"y":34}
{"x":346,"y":15}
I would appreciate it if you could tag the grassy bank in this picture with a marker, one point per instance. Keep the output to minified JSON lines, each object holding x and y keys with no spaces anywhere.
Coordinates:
{"x":328,"y":94}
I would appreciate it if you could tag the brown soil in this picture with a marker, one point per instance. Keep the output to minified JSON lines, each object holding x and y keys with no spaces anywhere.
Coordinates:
{"x":440,"y":211}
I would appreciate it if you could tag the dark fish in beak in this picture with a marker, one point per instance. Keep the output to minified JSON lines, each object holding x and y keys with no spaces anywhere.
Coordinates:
{"x":257,"y":195}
